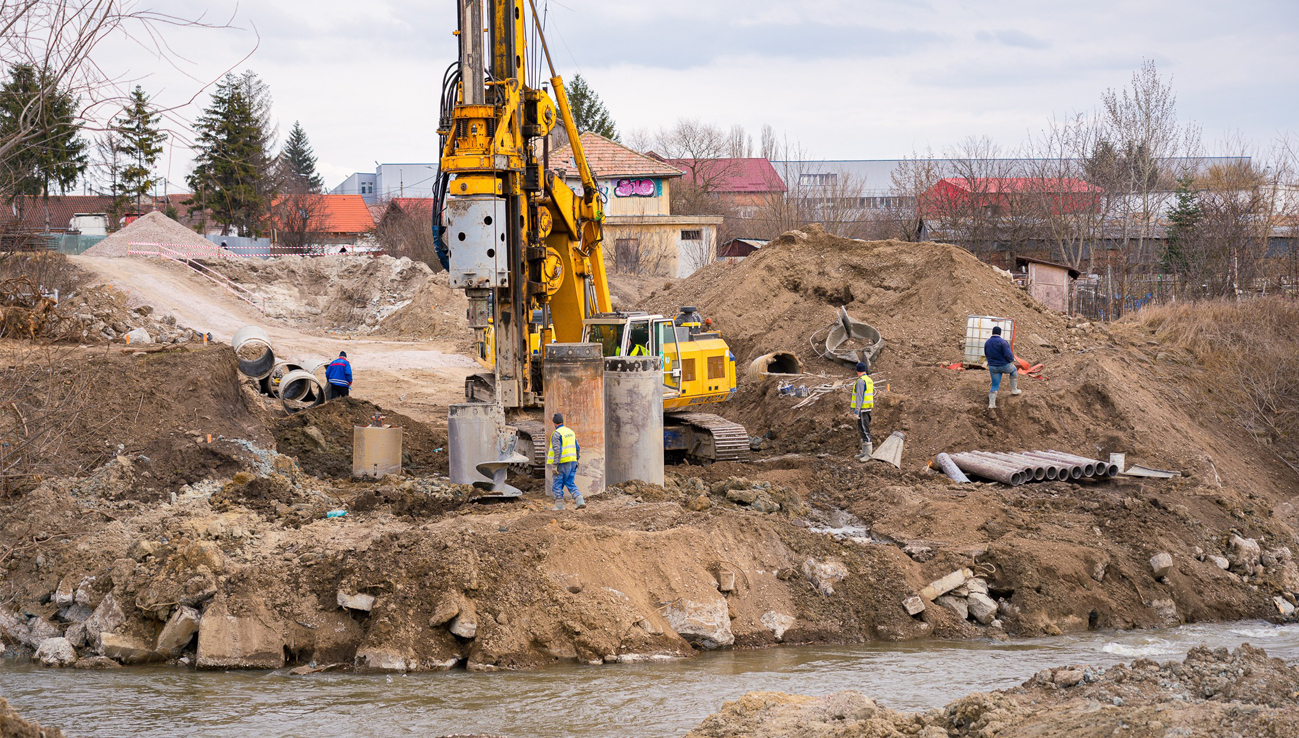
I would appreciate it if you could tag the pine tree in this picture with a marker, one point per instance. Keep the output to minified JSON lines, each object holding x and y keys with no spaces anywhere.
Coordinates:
{"x":589,"y":113}
{"x":1182,"y":221}
{"x":298,"y":163}
{"x":55,"y":155}
{"x":141,"y":145}
{"x":231,"y":162}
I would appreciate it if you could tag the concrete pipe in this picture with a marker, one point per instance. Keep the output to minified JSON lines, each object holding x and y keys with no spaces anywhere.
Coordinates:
{"x":253,"y":349}
{"x":1089,"y":466}
{"x":950,"y":468}
{"x":1036,"y":471}
{"x":574,"y":382}
{"x":312,"y":393}
{"x":1068,"y":469}
{"x":1111,"y":470}
{"x":633,"y":420}
{"x":779,"y":362}
{"x":474,"y":432}
{"x":988,"y":469}
{"x":1024,"y":474}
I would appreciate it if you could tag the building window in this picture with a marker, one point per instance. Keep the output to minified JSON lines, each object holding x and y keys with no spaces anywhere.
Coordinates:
{"x":818,"y":178}
{"x":626,"y":255}
{"x":692,"y":235}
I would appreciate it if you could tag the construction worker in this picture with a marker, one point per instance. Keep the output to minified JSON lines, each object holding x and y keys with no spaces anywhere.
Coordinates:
{"x":1001,"y":360}
{"x":863,"y":402}
{"x":563,"y":455}
{"x":339,"y":376}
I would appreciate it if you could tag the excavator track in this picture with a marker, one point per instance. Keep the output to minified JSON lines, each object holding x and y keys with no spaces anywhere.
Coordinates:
{"x":711,"y":437}
{"x":532,"y":441}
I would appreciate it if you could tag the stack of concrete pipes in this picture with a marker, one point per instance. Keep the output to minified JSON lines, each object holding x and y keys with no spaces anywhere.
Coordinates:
{"x":297,"y":384}
{"x":1032,"y":466}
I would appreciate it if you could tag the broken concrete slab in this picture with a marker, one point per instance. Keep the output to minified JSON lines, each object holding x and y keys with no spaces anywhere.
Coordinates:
{"x":956,"y":604}
{"x":383,"y":661}
{"x":65,"y":593}
{"x":914,"y":605}
{"x":56,"y":652}
{"x":229,"y":642}
{"x":465,"y":623}
{"x":447,"y":607}
{"x":705,"y":624}
{"x":982,"y":607}
{"x":179,"y":631}
{"x":360,"y":601}
{"x":127,"y":649}
{"x":977,"y":585}
{"x":824,"y":574}
{"x":1161,"y":565}
{"x":946,"y":584}
{"x":108,"y":616}
{"x":777,"y":623}
{"x":725,"y":580}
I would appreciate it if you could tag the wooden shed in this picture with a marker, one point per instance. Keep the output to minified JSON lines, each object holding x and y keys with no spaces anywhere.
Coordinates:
{"x":1048,"y":282}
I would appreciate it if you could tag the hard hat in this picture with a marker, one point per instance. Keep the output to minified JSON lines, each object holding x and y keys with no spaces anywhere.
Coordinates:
{"x":861,"y":367}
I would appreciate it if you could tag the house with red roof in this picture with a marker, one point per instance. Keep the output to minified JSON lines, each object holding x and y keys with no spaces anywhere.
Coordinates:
{"x":746,"y":184}
{"x":321,"y":222}
{"x":641,"y":234}
{"x":1005,"y":195}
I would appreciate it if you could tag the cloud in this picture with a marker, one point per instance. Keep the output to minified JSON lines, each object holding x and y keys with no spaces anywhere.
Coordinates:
{"x":1014,"y":38}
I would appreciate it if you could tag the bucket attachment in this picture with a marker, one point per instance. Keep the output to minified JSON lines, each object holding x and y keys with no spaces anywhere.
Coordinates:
{"x":851,"y":341}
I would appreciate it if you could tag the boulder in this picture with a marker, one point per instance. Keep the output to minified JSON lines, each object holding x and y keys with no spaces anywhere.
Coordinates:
{"x":465,"y":623}
{"x":956,"y":604}
{"x":65,"y":594}
{"x":107,"y":617}
{"x":705,"y":624}
{"x":179,"y":630}
{"x":76,"y":635}
{"x":1161,"y":565}
{"x":127,"y":649}
{"x":777,"y":623}
{"x":1282,"y":606}
{"x":824,"y":574}
{"x":447,"y":607}
{"x":914,"y":605}
{"x":1243,"y":554}
{"x":743,"y":496}
{"x":56,"y":652}
{"x":229,"y":642}
{"x":138,"y":335}
{"x":982,"y":607}
{"x":1067,"y":677}
{"x":976,"y":586}
{"x":360,"y":601}
{"x":1218,"y":561}
{"x":383,"y":661}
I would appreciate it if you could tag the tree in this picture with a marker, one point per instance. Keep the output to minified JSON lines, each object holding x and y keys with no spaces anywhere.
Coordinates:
{"x":589,"y":113}
{"x":109,"y":160}
{"x":1182,"y":219}
{"x":297,"y":163}
{"x":298,"y":221}
{"x":141,"y":142}
{"x":54,"y":154}
{"x":231,"y":161}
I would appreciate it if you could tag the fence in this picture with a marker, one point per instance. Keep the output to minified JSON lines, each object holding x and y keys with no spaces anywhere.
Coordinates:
{"x":187,"y":254}
{"x":69,"y":243}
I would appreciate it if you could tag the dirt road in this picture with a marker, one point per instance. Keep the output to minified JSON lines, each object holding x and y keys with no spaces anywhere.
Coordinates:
{"x":418,"y":379}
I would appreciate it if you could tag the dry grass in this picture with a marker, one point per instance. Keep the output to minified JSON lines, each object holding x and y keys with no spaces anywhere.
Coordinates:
{"x":1249,"y":353}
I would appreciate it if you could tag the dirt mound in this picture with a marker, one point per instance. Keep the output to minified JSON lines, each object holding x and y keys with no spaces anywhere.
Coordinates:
{"x":345,"y":292}
{"x":1205,"y":695}
{"x":629,"y":290}
{"x":12,"y":725}
{"x":321,"y":439}
{"x":434,"y":312}
{"x":150,"y":228}
{"x":100,"y":313}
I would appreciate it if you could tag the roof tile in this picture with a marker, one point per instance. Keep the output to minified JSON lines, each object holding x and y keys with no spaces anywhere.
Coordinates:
{"x":610,"y":159}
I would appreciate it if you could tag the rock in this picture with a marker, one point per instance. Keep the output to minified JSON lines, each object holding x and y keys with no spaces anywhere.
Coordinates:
{"x":229,"y":642}
{"x":743,"y":496}
{"x":76,"y":635}
{"x":465,"y":623}
{"x":60,"y":652}
{"x":138,"y":335}
{"x":725,"y":580}
{"x":777,"y":623}
{"x":824,"y":574}
{"x":1244,"y":554}
{"x":75,"y":613}
{"x":205,"y":553}
{"x":315,"y":435}
{"x":65,"y":593}
{"x":698,"y":504}
{"x":1006,"y":609}
{"x":914,"y":605}
{"x":1218,"y":561}
{"x":1285,"y":608}
{"x":1098,"y":571}
{"x":360,"y":601}
{"x":96,"y":662}
{"x":918,"y":552}
{"x":847,"y":705}
{"x":705,"y":624}
{"x":946,"y":584}
{"x":764,"y":504}
{"x":956,"y":604}
{"x":447,"y":607}
{"x":1167,"y":611}
{"x":143,"y":549}
{"x":85,"y":595}
{"x":126,"y":649}
{"x":382,"y":661}
{"x":1067,"y":677}
{"x":179,"y":630}
{"x":108,"y":616}
{"x":982,"y":607}
{"x":1161,"y":564}
{"x":977,"y":586}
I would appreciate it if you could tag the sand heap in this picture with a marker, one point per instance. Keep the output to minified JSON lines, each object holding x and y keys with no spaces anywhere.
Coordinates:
{"x":435,"y":312}
{"x":151,"y":228}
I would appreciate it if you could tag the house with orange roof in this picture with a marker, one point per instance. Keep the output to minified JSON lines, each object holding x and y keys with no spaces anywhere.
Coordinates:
{"x":315,"y":223}
{"x":641,"y":235}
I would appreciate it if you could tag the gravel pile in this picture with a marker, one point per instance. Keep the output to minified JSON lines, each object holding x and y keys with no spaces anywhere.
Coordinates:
{"x":152,"y":228}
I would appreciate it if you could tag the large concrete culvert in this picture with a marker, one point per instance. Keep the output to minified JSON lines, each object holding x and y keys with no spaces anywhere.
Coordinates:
{"x":253,"y":349}
{"x":778,"y":362}
{"x":299,"y":390}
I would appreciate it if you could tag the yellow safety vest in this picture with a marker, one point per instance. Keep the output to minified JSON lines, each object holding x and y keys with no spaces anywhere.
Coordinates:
{"x":567,"y":449}
{"x":637,"y":350}
{"x":863,"y":393}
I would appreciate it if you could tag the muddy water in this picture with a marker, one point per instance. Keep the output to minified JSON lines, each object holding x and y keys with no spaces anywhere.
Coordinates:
{"x":662,"y":699}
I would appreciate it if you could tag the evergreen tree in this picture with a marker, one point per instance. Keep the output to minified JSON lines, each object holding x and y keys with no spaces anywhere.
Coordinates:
{"x":141,"y":145}
{"x":110,"y":157}
{"x":231,"y":161}
{"x":1182,"y":221}
{"x":55,"y":155}
{"x":298,"y":163}
{"x":589,"y":113}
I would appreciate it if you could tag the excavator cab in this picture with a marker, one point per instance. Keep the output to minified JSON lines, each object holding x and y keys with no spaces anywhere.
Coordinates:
{"x":639,"y":334}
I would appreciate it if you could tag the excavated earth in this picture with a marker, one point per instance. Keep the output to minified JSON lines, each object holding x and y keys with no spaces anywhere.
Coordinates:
{"x":138,"y":539}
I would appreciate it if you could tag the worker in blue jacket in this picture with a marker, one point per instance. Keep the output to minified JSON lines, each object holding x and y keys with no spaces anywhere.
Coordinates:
{"x":1001,"y":360}
{"x":339,"y":376}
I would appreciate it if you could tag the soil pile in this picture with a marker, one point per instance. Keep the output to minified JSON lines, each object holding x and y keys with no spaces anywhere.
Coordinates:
{"x":321,"y":439}
{"x":626,"y":291}
{"x":345,"y":292}
{"x":12,"y":725}
{"x":1212,"y":693}
{"x":100,"y":313}
{"x":150,"y":228}
{"x":434,"y":312}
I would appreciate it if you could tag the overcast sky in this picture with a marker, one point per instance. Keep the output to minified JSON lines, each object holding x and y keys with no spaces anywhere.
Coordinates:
{"x":845,"y":80}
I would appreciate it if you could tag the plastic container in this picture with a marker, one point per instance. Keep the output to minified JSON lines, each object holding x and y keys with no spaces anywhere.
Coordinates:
{"x":335,"y":513}
{"x":978,"y":329}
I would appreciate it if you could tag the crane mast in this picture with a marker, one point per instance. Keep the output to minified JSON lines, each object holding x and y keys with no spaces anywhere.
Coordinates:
{"x":524,"y":247}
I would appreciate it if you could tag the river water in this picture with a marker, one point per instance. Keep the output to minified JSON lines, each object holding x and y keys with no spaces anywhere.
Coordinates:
{"x":633,"y":700}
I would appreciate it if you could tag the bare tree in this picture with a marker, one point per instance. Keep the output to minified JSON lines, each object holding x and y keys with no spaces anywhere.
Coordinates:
{"x":978,"y":209}
{"x":768,"y":143}
{"x":739,"y":144}
{"x":1066,"y":212}
{"x":909,"y":181}
{"x":407,"y":230}
{"x":817,"y":194}
{"x":298,"y":222}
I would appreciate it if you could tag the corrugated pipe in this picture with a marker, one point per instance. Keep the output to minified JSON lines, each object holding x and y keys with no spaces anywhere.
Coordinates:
{"x":990,"y":469}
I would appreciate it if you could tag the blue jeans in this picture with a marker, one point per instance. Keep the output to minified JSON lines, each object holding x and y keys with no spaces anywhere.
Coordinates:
{"x":565,"y":476}
{"x":997,"y":371}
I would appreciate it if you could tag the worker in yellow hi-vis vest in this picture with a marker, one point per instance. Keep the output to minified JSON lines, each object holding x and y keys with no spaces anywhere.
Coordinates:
{"x":563,"y":454}
{"x":863,"y":401}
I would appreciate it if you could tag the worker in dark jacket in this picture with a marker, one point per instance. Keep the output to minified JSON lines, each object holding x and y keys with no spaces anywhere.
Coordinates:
{"x":1001,"y":360}
{"x":863,"y":402}
{"x":563,"y":454}
{"x":339,"y":376}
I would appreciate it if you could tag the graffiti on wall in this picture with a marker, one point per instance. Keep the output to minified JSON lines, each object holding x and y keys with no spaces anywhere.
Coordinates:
{"x":635,"y":188}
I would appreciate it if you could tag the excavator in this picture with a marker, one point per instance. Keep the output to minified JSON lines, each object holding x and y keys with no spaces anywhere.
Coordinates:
{"x":527,"y":249}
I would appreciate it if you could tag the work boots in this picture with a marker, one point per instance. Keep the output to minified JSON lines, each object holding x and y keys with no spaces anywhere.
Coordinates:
{"x":581,"y":503}
{"x":1014,"y":389}
{"x":992,"y":400}
{"x":559,"y":505}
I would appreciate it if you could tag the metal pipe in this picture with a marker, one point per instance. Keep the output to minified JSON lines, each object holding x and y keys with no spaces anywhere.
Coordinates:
{"x":987,"y":469}
{"x":246,"y":342}
{"x":633,"y":420}
{"x":473,"y":433}
{"x":950,"y":468}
